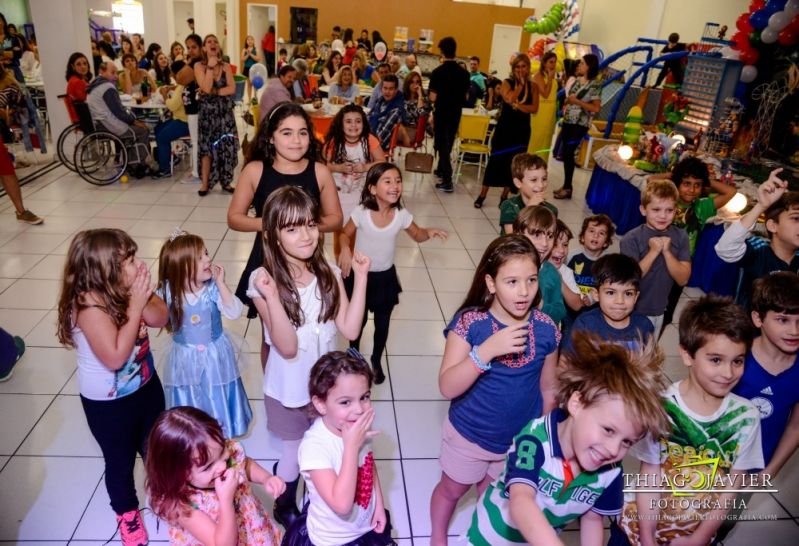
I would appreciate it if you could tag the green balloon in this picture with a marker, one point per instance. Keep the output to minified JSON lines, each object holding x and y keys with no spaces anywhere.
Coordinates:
{"x":754,"y":38}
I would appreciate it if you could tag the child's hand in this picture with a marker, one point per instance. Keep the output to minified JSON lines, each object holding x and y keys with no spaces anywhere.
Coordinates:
{"x":656,"y":244}
{"x":379,"y":520}
{"x":345,"y":262}
{"x":218,"y":273}
{"x":512,"y":339}
{"x":439,"y":233}
{"x":275,"y":486}
{"x":265,"y":284}
{"x":771,"y":190}
{"x":141,"y":289}
{"x":226,"y":484}
{"x":357,"y":433}
{"x":360,"y":264}
{"x":666,"y":244}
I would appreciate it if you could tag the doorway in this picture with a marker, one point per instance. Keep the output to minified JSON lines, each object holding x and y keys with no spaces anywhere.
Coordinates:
{"x":504,"y":43}
{"x":259,"y":18}
{"x":183,"y":10}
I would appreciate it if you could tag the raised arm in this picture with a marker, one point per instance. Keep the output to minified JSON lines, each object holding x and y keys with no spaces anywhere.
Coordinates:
{"x":350,"y":312}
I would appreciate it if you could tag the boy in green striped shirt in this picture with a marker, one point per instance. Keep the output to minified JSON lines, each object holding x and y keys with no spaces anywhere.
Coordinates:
{"x":563,"y":466}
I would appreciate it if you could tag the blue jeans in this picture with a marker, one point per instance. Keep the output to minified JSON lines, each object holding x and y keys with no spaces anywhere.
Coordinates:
{"x":165,"y":133}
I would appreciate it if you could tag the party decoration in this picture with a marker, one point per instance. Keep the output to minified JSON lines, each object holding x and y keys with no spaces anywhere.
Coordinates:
{"x":748,"y":73}
{"x":759,"y":19}
{"x":770,"y":95}
{"x":552,"y":21}
{"x":258,"y":75}
{"x":380,"y":51}
{"x":632,"y":127}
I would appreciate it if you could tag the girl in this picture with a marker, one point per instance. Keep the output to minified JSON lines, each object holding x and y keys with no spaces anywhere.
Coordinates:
{"x":249,"y":56}
{"x":582,"y":102}
{"x":498,"y":369}
{"x":201,"y":369}
{"x":78,"y":78}
{"x":378,"y":220}
{"x":199,"y":483}
{"x":345,"y":90}
{"x":176,"y":52}
{"x":138,"y":46}
{"x":345,"y":500}
{"x":148,"y":61}
{"x":160,"y":71}
{"x":542,"y":123}
{"x":218,"y":138}
{"x":330,"y":72}
{"x":350,"y":150}
{"x":363,"y":70}
{"x":301,"y":302}
{"x":105,"y":307}
{"x":132,"y":76}
{"x":416,"y":106}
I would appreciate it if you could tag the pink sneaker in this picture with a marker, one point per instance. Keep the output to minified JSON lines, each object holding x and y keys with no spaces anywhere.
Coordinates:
{"x":132,"y":530}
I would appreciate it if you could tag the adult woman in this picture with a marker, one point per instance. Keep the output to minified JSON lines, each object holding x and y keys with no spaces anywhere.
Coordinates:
{"x":149,"y":58}
{"x":132,"y":76}
{"x":364,"y":40}
{"x":138,"y":46}
{"x":249,"y":56}
{"x":542,"y":123}
{"x":363,"y":70}
{"x":350,"y":47}
{"x":125,"y":48}
{"x":520,"y":99}
{"x":161,"y":72}
{"x":218,"y":138}
{"x":97,"y":56}
{"x":194,"y":55}
{"x":416,"y":105}
{"x":176,"y":52}
{"x":11,"y":49}
{"x":345,"y":90}
{"x":330,"y":72}
{"x":582,"y":102}
{"x":78,"y":77}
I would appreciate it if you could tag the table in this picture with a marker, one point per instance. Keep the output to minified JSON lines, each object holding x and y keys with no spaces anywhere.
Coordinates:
{"x":365,"y":92}
{"x":149,"y":112}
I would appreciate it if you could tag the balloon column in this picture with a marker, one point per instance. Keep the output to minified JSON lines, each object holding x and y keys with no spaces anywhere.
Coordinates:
{"x":766,"y":23}
{"x":549,"y":23}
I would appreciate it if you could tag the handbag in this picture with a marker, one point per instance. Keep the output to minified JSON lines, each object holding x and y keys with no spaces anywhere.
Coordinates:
{"x":417,"y":162}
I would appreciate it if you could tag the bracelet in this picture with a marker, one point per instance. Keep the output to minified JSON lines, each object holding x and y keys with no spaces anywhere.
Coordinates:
{"x":479,"y":364}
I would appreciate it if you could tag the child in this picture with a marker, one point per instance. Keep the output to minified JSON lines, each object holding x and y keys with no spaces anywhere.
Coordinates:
{"x":758,"y":257}
{"x":105,"y":307}
{"x":615,"y":320}
{"x":572,"y":297}
{"x":530,"y":178}
{"x":498,"y":369}
{"x":538,"y":223}
{"x":377,"y":221}
{"x":350,"y":151}
{"x":707,"y":422}
{"x":660,"y":248}
{"x":201,"y":369}
{"x":771,"y":372}
{"x":564,"y":465}
{"x":11,"y":350}
{"x":345,"y":502}
{"x":283,"y":58}
{"x":302,"y":304}
{"x":199,"y":483}
{"x":596,"y":235}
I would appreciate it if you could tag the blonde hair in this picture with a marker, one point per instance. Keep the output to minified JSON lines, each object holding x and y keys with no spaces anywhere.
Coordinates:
{"x":660,"y":189}
{"x":177,"y":271}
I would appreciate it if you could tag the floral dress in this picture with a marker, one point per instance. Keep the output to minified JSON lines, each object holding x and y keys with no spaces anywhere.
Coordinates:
{"x":218,"y":136}
{"x":255,"y":527}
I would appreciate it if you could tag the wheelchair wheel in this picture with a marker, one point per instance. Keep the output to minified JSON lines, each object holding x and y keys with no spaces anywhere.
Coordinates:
{"x":100,"y":158}
{"x":67,"y":142}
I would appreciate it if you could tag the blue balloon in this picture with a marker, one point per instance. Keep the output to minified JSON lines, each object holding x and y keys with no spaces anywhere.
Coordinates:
{"x":773,"y":6}
{"x":257,"y":82}
{"x":759,"y":19}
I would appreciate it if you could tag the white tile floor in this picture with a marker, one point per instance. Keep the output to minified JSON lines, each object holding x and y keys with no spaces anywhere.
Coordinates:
{"x":51,"y":486}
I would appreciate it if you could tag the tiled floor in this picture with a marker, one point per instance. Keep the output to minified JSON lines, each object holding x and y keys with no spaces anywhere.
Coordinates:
{"x":51,"y":486}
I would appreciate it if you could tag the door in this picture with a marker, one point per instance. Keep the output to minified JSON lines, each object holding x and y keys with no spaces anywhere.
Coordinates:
{"x":504,"y":43}
{"x":259,"y":18}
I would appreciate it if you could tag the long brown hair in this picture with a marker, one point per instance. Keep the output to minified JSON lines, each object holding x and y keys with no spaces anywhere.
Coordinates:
{"x":177,"y":271}
{"x":179,"y":441}
{"x":499,"y":252}
{"x":94,"y":265}
{"x":287,"y":207}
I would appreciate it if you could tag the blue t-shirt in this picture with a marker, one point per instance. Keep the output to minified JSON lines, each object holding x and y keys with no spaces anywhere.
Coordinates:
{"x":773,"y":395}
{"x":508,"y":396}
{"x":640,"y":328}
{"x":758,"y":261}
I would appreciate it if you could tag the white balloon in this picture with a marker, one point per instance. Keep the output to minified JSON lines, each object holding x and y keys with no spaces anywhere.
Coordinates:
{"x":258,"y":70}
{"x":380,"y":50}
{"x":337,"y":45}
{"x":769,"y":35}
{"x":791,"y":9}
{"x":779,"y":21}
{"x":749,"y":73}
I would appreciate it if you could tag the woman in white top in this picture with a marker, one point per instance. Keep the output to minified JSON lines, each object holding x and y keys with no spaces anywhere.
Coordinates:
{"x":345,"y":90}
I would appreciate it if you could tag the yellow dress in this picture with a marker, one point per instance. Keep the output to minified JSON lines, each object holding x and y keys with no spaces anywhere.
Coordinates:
{"x":542,"y":124}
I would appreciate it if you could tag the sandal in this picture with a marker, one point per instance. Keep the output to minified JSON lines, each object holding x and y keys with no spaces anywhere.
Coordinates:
{"x":478,"y":203}
{"x":563,"y":193}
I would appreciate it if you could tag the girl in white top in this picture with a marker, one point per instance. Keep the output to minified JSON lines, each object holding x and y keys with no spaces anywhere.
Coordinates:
{"x":377,"y":221}
{"x":302,"y":302}
{"x":345,"y":502}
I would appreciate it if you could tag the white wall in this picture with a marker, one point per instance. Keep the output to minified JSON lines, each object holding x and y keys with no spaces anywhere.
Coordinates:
{"x":182,"y":9}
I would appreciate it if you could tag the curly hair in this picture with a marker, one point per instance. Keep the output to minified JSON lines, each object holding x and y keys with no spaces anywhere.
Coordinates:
{"x":335,"y":145}
{"x":333,"y":364}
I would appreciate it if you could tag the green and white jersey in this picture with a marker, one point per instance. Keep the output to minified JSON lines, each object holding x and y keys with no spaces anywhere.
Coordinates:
{"x":536,"y":459}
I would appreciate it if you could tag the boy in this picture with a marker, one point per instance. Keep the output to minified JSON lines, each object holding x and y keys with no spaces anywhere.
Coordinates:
{"x":530,"y":177}
{"x":715,"y":434}
{"x":660,"y":248}
{"x":771,"y":373}
{"x":618,"y":279}
{"x":596,"y":236}
{"x":758,"y":257}
{"x":563,"y":466}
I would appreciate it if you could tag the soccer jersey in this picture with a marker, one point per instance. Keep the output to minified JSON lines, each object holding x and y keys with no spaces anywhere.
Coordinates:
{"x":693,"y":217}
{"x":536,"y":460}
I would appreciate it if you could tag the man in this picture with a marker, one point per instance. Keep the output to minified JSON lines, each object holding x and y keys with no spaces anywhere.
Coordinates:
{"x":383,"y":70}
{"x":394,"y":64}
{"x":279,"y":89}
{"x":449,"y":85}
{"x":477,"y":77}
{"x":301,"y":86}
{"x":387,"y":111}
{"x":109,"y":114}
{"x":410,"y":66}
{"x":190,"y":22}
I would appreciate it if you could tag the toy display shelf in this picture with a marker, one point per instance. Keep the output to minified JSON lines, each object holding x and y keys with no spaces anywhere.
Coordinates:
{"x":707,"y":83}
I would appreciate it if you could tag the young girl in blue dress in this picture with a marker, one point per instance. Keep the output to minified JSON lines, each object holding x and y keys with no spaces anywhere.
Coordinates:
{"x":498,"y":370}
{"x":201,"y":370}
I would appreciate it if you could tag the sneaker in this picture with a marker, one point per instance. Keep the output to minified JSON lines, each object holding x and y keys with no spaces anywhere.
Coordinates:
{"x":158,"y":175}
{"x":131,"y":529}
{"x":446,"y":187}
{"x":29,"y":218}
{"x":20,"y":345}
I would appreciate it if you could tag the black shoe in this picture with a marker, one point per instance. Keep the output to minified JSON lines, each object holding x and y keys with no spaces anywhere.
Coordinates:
{"x":380,"y":377}
{"x":158,"y":175}
{"x":446,"y":187}
{"x":138,"y":171}
{"x":202,"y":193}
{"x":228,"y":188}
{"x":285,"y":509}
{"x":478,"y":203}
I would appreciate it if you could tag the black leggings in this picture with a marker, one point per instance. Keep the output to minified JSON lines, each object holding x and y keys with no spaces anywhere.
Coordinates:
{"x":382,"y":319}
{"x":121,"y":427}
{"x":571,"y":135}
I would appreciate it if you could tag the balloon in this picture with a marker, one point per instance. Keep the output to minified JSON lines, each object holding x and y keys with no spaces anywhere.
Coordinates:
{"x":792,"y":8}
{"x":258,"y":71}
{"x":754,"y":39}
{"x":748,"y":74}
{"x":535,"y":66}
{"x":742,"y":23}
{"x":759,"y":19}
{"x":741,"y":40}
{"x":789,"y":36}
{"x":773,"y":6}
{"x":380,"y":51}
{"x":749,"y":56}
{"x":779,"y":21}
{"x":756,"y":5}
{"x":769,"y":35}
{"x":257,"y":82}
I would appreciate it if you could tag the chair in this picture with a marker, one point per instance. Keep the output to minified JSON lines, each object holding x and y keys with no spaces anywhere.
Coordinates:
{"x":473,"y":139}
{"x":418,"y":139}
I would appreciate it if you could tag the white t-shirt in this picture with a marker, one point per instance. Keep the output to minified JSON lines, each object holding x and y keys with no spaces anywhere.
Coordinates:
{"x":286,"y":379}
{"x":567,"y":274}
{"x":378,"y":243}
{"x":321,"y":449}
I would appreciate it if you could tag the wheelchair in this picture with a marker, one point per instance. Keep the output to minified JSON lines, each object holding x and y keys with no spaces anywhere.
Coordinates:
{"x":68,"y":141}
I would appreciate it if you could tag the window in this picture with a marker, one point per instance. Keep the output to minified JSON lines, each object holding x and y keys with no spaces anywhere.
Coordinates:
{"x":128,"y":16}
